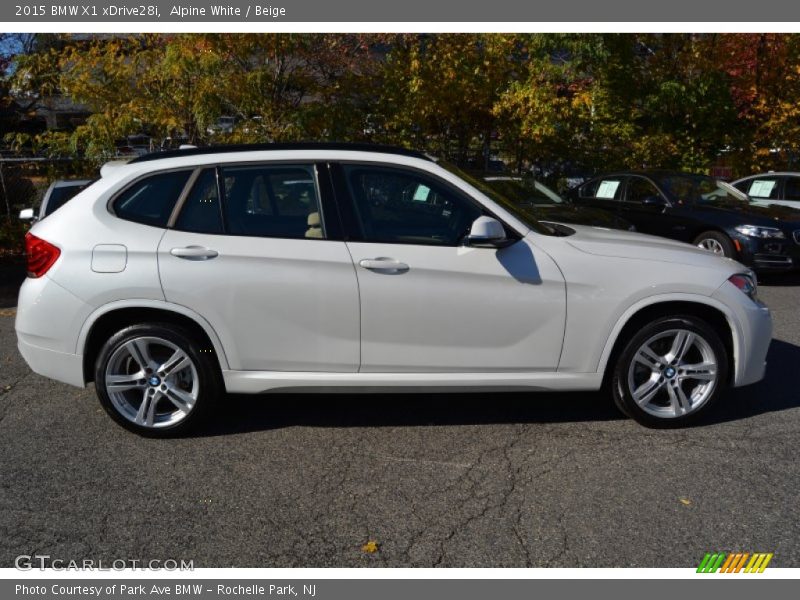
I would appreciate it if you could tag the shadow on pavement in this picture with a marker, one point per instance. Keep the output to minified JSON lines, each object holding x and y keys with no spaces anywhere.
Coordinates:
{"x":779,"y":390}
{"x":272,"y":411}
{"x":243,"y":413}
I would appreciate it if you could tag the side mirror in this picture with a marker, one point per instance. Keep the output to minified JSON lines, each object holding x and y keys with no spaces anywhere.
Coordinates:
{"x":27,"y":214}
{"x":656,"y":201}
{"x":487,"y":232}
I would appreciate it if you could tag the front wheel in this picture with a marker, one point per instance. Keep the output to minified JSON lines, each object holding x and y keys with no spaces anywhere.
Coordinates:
{"x":154,"y":380}
{"x":716,"y":243}
{"x":670,"y":372}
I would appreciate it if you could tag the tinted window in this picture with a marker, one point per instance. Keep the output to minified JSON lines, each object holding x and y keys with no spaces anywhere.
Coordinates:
{"x":792,"y":191}
{"x":742,"y":186}
{"x":272,"y":201}
{"x":588,"y":189}
{"x":639,"y":189}
{"x":151,"y":200}
{"x":699,"y":188}
{"x":396,"y":206}
{"x":763,"y":187}
{"x":201,"y":210}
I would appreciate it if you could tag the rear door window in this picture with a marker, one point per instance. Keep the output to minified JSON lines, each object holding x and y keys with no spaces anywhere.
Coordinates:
{"x":272,"y":201}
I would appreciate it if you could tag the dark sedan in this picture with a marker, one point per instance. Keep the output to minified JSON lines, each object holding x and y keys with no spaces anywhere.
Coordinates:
{"x":547,"y":206}
{"x":702,"y":211}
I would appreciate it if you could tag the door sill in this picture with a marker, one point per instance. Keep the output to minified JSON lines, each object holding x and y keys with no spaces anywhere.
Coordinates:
{"x":256,"y":382}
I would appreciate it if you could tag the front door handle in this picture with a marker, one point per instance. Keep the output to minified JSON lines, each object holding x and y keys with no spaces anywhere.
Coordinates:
{"x":386,"y":265}
{"x":194,"y":253}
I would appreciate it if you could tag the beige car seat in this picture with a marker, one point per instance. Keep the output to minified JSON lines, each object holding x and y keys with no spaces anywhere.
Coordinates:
{"x":314,"y":226}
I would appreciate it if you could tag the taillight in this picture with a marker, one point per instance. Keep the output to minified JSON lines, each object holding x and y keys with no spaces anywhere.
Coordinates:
{"x":41,"y":255}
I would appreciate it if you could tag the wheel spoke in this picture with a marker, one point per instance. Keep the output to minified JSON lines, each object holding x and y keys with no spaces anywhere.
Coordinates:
{"x":180,"y":399}
{"x":678,"y":400}
{"x":151,"y":410}
{"x":645,"y":392}
{"x":121,"y":383}
{"x":139,"y":351}
{"x":176,"y":363}
{"x":680,"y":345}
{"x":706,"y":371}
{"x":141,"y":414}
{"x":648,"y":358}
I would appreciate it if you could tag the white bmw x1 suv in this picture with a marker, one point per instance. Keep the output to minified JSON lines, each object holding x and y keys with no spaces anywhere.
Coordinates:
{"x":177,"y":277}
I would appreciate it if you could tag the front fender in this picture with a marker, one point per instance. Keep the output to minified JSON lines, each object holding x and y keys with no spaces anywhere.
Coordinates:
{"x":633,"y":309}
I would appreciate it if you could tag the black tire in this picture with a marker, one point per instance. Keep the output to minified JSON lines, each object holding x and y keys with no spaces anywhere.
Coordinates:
{"x":712,"y":237}
{"x":624,"y":374}
{"x":209,"y":388}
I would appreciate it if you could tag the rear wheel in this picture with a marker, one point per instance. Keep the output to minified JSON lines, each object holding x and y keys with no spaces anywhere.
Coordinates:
{"x":670,"y":372}
{"x":716,"y":242}
{"x":154,"y":380}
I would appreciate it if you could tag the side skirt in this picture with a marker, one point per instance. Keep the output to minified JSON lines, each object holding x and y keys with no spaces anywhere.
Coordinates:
{"x":255,"y":382}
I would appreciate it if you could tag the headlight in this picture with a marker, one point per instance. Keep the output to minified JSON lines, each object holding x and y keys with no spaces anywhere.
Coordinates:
{"x":760,"y":232}
{"x":747,"y":283}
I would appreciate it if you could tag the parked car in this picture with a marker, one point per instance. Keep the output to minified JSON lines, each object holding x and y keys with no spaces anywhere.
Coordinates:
{"x":547,"y":206}
{"x":702,"y":211}
{"x":772,"y":188}
{"x":56,"y":196}
{"x":224,"y":124}
{"x":183,"y":275}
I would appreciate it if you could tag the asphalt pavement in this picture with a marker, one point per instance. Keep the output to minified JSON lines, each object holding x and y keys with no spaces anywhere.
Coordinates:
{"x":461,"y":480}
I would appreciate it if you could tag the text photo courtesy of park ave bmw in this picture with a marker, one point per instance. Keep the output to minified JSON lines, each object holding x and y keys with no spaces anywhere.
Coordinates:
{"x":395,"y":295}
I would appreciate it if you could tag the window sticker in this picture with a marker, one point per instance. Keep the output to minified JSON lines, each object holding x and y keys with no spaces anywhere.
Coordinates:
{"x":421,"y":195}
{"x":762,"y":188}
{"x":607,"y":189}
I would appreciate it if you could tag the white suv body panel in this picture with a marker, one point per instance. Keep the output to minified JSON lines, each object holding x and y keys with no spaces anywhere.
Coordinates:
{"x":353,"y":328}
{"x":277,"y":304}
{"x":460,"y":309}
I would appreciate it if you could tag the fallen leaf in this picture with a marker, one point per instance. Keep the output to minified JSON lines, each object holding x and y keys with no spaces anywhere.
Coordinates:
{"x":685,"y":501}
{"x":370,"y":547}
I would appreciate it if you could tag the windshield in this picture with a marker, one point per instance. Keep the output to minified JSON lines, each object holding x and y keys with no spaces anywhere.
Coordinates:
{"x":524,"y":191}
{"x":701,"y":189}
{"x":524,"y":212}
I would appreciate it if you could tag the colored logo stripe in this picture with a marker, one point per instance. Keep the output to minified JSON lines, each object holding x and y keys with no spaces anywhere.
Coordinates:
{"x":735,"y":562}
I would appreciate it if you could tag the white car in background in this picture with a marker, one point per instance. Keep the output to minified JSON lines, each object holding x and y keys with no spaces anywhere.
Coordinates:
{"x":182,"y":275}
{"x":58,"y":194}
{"x":772,"y":188}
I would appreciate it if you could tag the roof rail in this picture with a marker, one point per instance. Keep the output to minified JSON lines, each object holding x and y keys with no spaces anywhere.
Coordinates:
{"x":358,"y":147}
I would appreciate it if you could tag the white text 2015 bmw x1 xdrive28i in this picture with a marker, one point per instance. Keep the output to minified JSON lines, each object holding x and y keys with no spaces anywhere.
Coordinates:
{"x":179,"y":276}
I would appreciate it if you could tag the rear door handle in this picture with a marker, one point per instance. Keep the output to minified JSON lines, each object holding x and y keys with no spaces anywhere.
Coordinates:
{"x":194,"y":253}
{"x":388,"y":265}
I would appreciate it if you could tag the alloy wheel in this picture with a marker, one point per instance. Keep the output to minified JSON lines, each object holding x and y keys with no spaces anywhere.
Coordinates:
{"x":152,"y":382}
{"x":673,"y":373}
{"x":711,"y":245}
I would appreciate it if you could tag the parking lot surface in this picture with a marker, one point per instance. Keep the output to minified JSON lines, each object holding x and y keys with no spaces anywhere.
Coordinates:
{"x":467,"y":480}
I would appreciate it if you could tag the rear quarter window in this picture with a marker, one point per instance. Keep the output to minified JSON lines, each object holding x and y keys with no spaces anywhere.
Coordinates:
{"x":150,"y":200}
